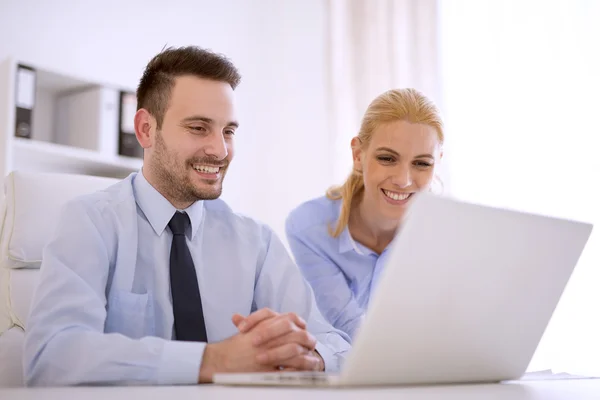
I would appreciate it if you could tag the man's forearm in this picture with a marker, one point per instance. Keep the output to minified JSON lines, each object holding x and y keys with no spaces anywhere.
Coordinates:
{"x":79,"y":358}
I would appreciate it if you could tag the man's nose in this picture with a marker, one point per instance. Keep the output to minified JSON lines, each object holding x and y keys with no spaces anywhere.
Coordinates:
{"x":216,"y":146}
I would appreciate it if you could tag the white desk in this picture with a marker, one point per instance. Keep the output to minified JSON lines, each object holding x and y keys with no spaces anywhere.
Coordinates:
{"x":580,"y":389}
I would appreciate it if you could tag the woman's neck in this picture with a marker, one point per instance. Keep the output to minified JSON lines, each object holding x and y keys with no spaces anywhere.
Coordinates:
{"x":370,"y":229}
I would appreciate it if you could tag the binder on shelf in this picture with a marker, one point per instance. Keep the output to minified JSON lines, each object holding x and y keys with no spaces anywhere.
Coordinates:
{"x":128,"y":143}
{"x":87,"y":119}
{"x":24,"y":101}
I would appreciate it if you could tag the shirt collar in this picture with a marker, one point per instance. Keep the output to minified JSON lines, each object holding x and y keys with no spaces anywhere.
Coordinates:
{"x":158,"y":210}
{"x":347,"y":242}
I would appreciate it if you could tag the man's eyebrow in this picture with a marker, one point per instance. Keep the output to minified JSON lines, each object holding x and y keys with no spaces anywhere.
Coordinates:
{"x":198,"y":118}
{"x":210,"y":121}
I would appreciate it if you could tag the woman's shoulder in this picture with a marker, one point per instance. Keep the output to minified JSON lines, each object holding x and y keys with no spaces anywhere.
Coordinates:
{"x":316,"y":213}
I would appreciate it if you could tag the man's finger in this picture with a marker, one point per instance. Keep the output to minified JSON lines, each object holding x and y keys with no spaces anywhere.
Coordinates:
{"x":303,"y":362}
{"x":300,"y":336}
{"x":278,"y":326}
{"x":255,"y":318}
{"x":279,"y":355}
{"x":273,"y":329}
{"x":300,"y":323}
{"x":237,"y":319}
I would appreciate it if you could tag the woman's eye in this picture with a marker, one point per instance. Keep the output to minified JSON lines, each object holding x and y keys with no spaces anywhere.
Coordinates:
{"x":423,"y":164}
{"x":198,"y":128}
{"x":385,"y":158}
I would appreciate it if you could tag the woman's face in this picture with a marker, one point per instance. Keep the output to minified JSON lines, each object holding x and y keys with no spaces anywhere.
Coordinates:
{"x":398,"y":162}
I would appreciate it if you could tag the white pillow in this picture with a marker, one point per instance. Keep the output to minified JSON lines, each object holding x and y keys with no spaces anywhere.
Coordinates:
{"x":11,"y":353}
{"x":16,"y":291}
{"x":33,"y":202}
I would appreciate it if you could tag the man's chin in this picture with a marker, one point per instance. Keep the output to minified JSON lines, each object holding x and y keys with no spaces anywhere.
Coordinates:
{"x":209,"y":196}
{"x":206,"y":189}
{"x":208,"y":192}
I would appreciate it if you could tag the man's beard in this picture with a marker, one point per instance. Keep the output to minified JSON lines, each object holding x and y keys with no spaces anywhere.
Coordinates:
{"x":174,"y":177}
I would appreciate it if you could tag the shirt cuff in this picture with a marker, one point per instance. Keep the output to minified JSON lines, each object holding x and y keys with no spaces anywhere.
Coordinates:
{"x":180,"y":363}
{"x":330,"y":360}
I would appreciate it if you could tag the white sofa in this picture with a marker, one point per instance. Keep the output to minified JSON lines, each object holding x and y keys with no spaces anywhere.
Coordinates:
{"x":28,"y":218}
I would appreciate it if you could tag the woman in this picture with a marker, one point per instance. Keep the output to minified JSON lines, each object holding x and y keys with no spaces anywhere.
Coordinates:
{"x":340,"y":240}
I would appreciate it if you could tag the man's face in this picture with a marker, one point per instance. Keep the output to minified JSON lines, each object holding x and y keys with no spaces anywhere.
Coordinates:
{"x":188,"y":157}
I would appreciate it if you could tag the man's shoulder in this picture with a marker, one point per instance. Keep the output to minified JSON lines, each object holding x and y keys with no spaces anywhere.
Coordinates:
{"x":315,"y":213}
{"x":222,"y":213}
{"x":104,"y":200}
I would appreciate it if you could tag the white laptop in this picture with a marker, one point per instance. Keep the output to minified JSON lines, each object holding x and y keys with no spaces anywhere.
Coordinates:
{"x":466,"y":296}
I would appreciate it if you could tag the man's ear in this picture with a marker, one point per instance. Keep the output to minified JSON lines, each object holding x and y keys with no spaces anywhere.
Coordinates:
{"x":357,"y":154}
{"x":145,"y":125}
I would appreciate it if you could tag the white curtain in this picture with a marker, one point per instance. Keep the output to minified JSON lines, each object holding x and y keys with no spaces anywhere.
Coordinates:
{"x":374,"y":46}
{"x":518,"y":83}
{"x":521,"y":82}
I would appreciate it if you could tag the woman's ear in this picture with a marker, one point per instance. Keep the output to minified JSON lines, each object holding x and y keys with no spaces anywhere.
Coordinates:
{"x":357,"y":154}
{"x":437,"y":185}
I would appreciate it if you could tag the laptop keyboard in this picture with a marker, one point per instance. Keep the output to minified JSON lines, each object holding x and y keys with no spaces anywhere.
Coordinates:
{"x":316,"y":377}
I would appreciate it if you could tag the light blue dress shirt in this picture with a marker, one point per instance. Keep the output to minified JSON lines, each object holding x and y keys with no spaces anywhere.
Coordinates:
{"x":102,"y":313}
{"x":342,"y":272}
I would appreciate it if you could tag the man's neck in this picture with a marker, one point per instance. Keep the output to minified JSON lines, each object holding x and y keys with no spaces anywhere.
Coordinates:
{"x":155,"y":183}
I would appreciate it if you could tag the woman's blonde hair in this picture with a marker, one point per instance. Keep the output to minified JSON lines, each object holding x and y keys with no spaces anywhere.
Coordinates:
{"x":394,"y":105}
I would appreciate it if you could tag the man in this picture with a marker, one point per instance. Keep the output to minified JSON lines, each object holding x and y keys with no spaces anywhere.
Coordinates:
{"x":155,"y":280}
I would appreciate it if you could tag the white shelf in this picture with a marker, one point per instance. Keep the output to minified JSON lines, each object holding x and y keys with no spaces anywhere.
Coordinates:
{"x":31,"y":154}
{"x":53,"y":146}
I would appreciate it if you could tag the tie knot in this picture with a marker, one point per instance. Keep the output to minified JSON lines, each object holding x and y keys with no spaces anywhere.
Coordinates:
{"x":179,"y":223}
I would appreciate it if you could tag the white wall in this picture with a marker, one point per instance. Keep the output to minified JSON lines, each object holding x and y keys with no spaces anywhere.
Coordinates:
{"x":278,"y":45}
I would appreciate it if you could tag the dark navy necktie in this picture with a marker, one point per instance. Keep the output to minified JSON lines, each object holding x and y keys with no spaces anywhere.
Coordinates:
{"x":187,"y":304}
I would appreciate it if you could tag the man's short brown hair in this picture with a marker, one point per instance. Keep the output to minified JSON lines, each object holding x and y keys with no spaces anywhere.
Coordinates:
{"x":154,"y":90}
